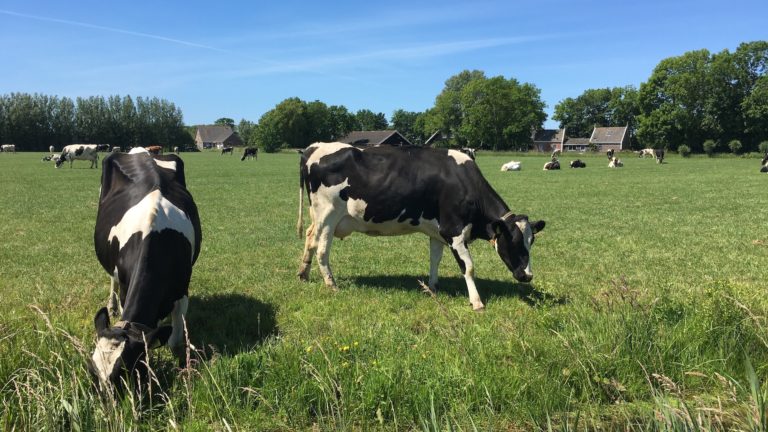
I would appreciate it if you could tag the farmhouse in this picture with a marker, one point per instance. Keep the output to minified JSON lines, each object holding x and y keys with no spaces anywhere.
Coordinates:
{"x":375,"y":138}
{"x":603,"y":138}
{"x":208,"y":137}
{"x":547,"y":140}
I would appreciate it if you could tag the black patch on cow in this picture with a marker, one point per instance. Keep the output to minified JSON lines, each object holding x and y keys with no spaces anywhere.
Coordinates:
{"x":79,"y":151}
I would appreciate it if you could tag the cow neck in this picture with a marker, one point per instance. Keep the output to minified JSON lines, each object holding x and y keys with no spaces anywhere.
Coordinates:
{"x":493,"y":209}
{"x":134,"y":329}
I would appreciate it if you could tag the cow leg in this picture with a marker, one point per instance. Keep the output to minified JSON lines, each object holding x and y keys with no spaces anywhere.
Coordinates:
{"x":177,"y":341}
{"x":464,"y":259}
{"x":324,"y":240}
{"x":310,"y":245}
{"x":435,"y":255}
{"x":113,"y":303}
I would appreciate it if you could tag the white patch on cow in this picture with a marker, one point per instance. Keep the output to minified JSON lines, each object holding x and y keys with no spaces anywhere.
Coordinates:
{"x":137,"y":150}
{"x":324,"y":149}
{"x":153,"y":213}
{"x":171,"y":165}
{"x":177,"y":321}
{"x":459,"y":157}
{"x":105,"y":356}
{"x":459,"y":244}
{"x":525,"y":228}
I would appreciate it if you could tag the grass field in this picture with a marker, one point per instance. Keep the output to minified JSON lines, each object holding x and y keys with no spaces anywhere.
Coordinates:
{"x":647,"y":310}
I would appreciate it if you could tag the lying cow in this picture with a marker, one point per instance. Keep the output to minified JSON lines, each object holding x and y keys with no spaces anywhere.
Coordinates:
{"x":250,"y":152}
{"x":615,"y":163}
{"x":578,"y":164}
{"x":554,"y":164}
{"x":147,"y":237}
{"x":391,"y":190}
{"x":511,"y":166}
{"x":74,"y":152}
{"x":225,"y":150}
{"x":8,"y":148}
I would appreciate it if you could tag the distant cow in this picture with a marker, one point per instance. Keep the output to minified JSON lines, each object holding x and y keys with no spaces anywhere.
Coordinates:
{"x":176,"y":149}
{"x":554,"y":164}
{"x":609,"y":153}
{"x":74,"y":152}
{"x":555,"y":153}
{"x":389,"y":190}
{"x":51,"y":149}
{"x":512,"y":166}
{"x":468,"y":151}
{"x":615,"y":163}
{"x":51,"y":157}
{"x":155,"y":149}
{"x":250,"y":152}
{"x":646,"y":152}
{"x":578,"y":164}
{"x":226,"y":150}
{"x":8,"y":148}
{"x":659,"y":155}
{"x":147,"y":237}
{"x":764,"y":163}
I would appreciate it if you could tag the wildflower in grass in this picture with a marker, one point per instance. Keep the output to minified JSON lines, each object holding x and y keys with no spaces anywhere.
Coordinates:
{"x":309,"y":349}
{"x":355,"y":344}
{"x":345,"y":364}
{"x":344,"y":348}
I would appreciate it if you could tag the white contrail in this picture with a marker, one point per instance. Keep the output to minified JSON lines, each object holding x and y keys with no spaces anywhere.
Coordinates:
{"x":113,"y":30}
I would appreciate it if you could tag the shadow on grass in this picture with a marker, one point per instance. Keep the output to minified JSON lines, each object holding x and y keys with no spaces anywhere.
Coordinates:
{"x":229,"y":323}
{"x":456,"y":287}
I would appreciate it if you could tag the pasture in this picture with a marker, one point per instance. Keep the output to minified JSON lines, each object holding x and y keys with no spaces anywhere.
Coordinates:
{"x":647,"y":309}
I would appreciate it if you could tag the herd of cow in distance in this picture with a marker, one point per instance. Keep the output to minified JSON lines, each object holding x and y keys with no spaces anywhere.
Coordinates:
{"x":147,"y":233}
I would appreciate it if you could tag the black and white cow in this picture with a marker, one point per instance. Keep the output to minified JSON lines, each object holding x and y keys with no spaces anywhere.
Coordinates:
{"x":250,"y":152}
{"x":659,"y":155}
{"x":79,"y":152}
{"x":8,"y":148}
{"x":764,"y":163}
{"x":609,"y":153}
{"x":147,"y":238}
{"x":554,"y":164}
{"x":389,"y":190}
{"x":646,"y":152}
{"x":615,"y":163}
{"x":471,"y":152}
{"x":578,"y":163}
{"x":225,"y":150}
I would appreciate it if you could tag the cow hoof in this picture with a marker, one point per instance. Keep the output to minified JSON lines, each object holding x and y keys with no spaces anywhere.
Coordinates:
{"x":478,"y":308}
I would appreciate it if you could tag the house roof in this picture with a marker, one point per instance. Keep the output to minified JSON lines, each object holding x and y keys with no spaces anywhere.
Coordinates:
{"x":373,"y":138}
{"x":577,"y":141}
{"x":608,"y":135}
{"x":214,"y":134}
{"x":549,"y":135}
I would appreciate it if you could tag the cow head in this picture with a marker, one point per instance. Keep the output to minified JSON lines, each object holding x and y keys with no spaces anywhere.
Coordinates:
{"x":122,"y":349}
{"x":62,"y":158}
{"x":513,"y":236}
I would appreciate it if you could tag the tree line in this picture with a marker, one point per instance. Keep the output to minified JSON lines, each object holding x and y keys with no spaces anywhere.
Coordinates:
{"x":34,"y":122}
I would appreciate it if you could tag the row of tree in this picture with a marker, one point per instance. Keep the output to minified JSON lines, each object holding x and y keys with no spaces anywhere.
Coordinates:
{"x":690,"y":99}
{"x":35,"y":122}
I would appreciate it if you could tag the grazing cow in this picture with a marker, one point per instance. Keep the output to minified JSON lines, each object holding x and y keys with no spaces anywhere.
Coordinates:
{"x":147,"y":237}
{"x":554,"y":164}
{"x":764,"y":163}
{"x":646,"y":152}
{"x":512,"y":166}
{"x":659,"y":155}
{"x":609,"y":153}
{"x":615,"y":163}
{"x":468,"y":151}
{"x":74,"y":152}
{"x":250,"y":152}
{"x":8,"y":148}
{"x":155,"y":149}
{"x":578,"y":164}
{"x":229,"y":150}
{"x":391,"y":190}
{"x":51,"y":149}
{"x":555,"y":153}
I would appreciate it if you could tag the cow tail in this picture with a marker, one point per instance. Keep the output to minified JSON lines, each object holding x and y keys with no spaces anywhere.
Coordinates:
{"x":300,"y":222}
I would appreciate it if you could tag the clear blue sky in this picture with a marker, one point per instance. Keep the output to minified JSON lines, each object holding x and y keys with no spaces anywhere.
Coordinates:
{"x":239,"y":59}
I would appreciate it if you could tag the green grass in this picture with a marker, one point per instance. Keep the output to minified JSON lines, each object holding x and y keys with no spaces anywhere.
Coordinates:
{"x":647,"y":310}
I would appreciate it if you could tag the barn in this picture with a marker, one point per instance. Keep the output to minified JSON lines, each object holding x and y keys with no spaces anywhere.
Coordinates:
{"x":214,"y":136}
{"x":375,"y":138}
{"x":610,"y":138}
{"x":548,"y":140}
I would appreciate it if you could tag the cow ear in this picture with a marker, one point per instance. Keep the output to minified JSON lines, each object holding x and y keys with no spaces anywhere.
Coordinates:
{"x":537,"y":226}
{"x":159,"y":336}
{"x":101,"y":321}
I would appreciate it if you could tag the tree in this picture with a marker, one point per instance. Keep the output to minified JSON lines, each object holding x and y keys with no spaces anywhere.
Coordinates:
{"x":248,"y":132}
{"x":225,"y":121}
{"x":448,"y":113}
{"x":407,"y":123}
{"x":284,"y":126}
{"x":367,"y":120}
{"x":598,"y":107}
